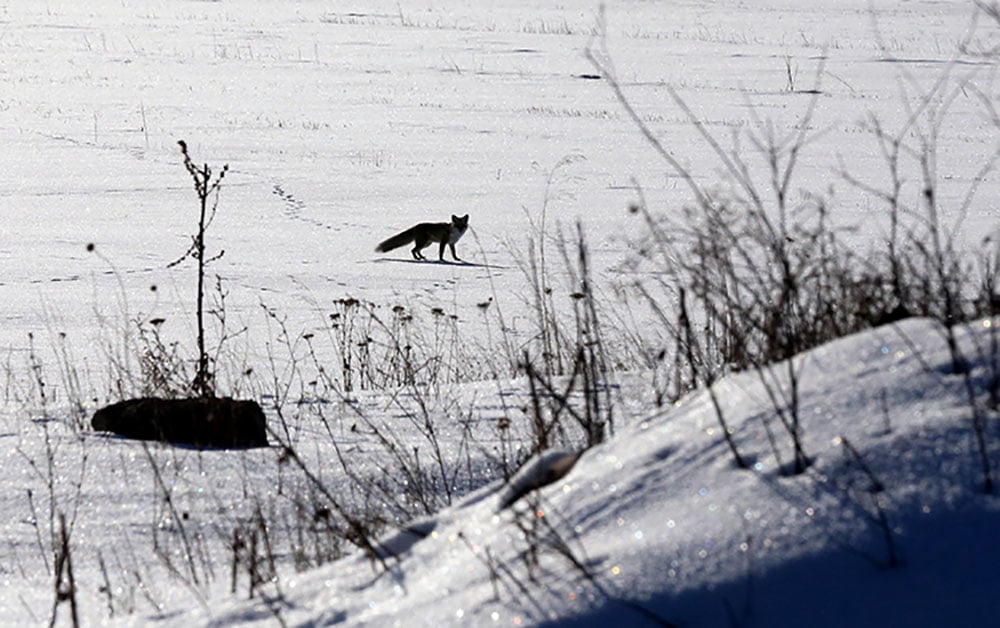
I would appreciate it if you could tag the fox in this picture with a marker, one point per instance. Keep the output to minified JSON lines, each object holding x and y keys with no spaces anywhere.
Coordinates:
{"x":422,"y":234}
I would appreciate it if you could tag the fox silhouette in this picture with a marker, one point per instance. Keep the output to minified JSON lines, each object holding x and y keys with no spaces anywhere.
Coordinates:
{"x":424,"y":233}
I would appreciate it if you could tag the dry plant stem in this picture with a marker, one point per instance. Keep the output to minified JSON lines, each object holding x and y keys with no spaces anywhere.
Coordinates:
{"x":539,"y":428}
{"x":499,"y":572}
{"x":281,"y":381}
{"x":539,"y":275}
{"x":118,"y":356}
{"x":593,"y":433}
{"x":590,"y":340}
{"x":71,"y":381}
{"x":854,"y":455}
{"x":562,"y":547}
{"x":787,"y":409}
{"x":417,"y":481}
{"x":979,"y":430}
{"x":707,"y":379}
{"x":65,"y":582}
{"x":174,"y":515}
{"x":140,"y":583}
{"x":508,"y":350}
{"x":360,"y":535}
{"x":48,"y":475}
{"x":106,"y":587}
{"x":427,"y":430}
{"x":541,"y":298}
{"x":875,"y":488}
{"x":38,"y":531}
{"x":205,"y":187}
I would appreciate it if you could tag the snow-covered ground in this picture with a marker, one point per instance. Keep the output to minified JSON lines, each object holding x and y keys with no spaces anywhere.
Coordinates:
{"x":660,"y":526}
{"x":343,"y":123}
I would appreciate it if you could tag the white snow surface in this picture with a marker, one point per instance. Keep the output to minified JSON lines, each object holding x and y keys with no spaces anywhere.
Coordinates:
{"x":345,"y":122}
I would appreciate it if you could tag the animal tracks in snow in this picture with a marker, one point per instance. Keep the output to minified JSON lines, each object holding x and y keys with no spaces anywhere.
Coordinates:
{"x":294,"y":208}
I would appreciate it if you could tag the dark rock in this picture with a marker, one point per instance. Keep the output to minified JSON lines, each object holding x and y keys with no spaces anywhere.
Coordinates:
{"x":202,"y":422}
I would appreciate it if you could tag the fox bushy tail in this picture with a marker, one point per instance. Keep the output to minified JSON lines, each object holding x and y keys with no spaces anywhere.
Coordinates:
{"x":396,"y":241}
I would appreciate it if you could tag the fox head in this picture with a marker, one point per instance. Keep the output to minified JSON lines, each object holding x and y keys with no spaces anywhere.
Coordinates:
{"x":460,"y":222}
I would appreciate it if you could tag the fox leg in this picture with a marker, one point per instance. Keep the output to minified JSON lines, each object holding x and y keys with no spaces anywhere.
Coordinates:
{"x":451,"y":245}
{"x":419,"y":244}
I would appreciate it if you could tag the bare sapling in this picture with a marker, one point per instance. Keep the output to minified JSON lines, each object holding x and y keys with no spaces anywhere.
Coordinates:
{"x":206,"y":187}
